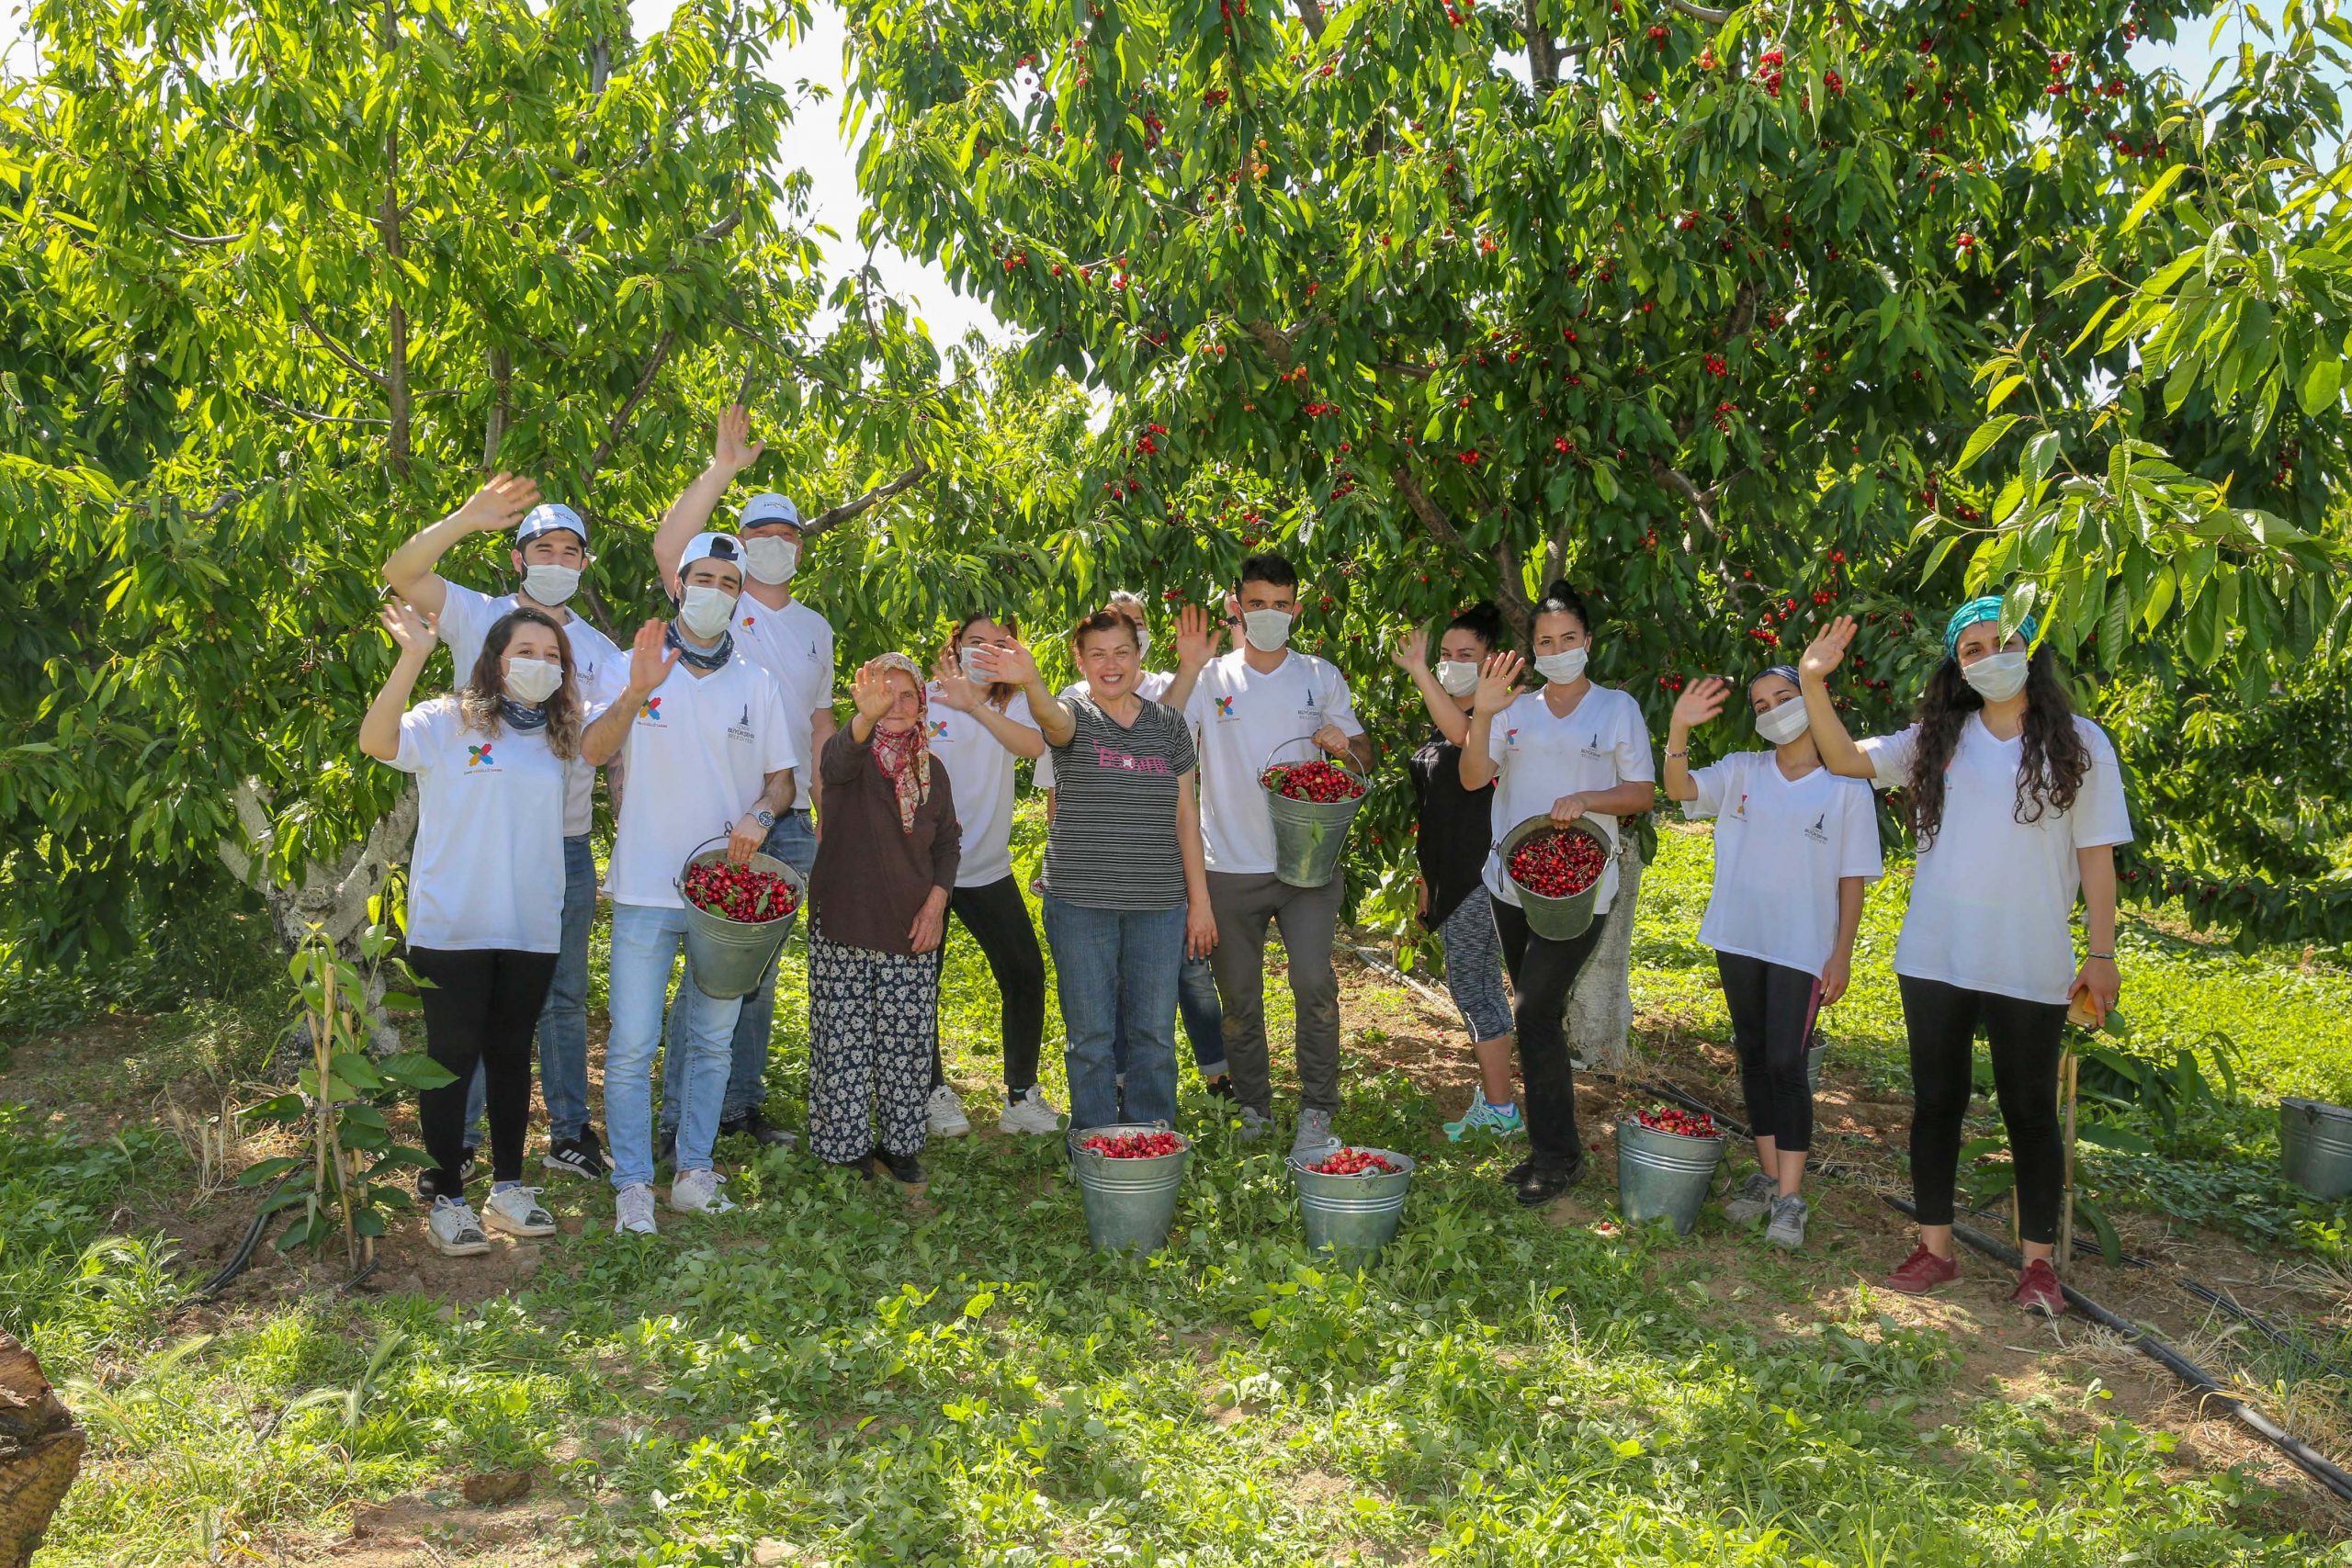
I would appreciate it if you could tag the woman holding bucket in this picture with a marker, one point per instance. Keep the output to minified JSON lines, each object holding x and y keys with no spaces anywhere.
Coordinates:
{"x":485,"y":889}
{"x":1528,"y":744}
{"x":2016,"y":804}
{"x":1794,"y":844}
{"x":877,"y":912}
{"x":1452,"y":833}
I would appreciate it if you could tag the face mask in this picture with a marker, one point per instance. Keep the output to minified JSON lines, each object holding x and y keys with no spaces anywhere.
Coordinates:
{"x":551,"y":585}
{"x":1459,"y":677}
{"x":1997,"y":676}
{"x":1561,"y":667}
{"x":972,"y":670}
{"x":1267,"y":630}
{"x":770,"y":560}
{"x":1142,"y":644}
{"x":706,"y":610}
{"x":1783,"y":723}
{"x":533,"y":681}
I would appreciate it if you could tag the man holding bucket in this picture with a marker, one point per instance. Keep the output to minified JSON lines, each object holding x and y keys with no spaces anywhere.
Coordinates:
{"x":709,"y":755}
{"x":1258,"y":705}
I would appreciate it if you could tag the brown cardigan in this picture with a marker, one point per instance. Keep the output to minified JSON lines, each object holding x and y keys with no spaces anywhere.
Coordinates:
{"x":872,"y":876}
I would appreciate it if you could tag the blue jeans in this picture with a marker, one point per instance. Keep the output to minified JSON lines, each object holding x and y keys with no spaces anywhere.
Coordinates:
{"x":647,"y":942}
{"x":794,"y":841}
{"x":1203,"y":1017}
{"x":1109,"y":966}
{"x":563,"y":1022}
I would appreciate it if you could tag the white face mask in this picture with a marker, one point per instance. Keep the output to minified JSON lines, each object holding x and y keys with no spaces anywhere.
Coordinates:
{"x":533,"y":681}
{"x":1997,"y":676}
{"x":1458,"y":676}
{"x":1561,"y":667}
{"x":771,"y":559}
{"x":1268,"y":630}
{"x":551,"y":585}
{"x":706,"y":610}
{"x":1142,"y":644}
{"x":1784,"y":723}
{"x":972,"y":670}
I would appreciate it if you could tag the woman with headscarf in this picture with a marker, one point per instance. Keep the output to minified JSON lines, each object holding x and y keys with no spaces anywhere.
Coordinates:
{"x":2017,"y":805}
{"x":1794,"y":844}
{"x":878,"y":911}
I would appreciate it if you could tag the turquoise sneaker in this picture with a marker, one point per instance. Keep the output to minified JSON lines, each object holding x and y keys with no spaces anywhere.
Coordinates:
{"x":1502,"y":1121}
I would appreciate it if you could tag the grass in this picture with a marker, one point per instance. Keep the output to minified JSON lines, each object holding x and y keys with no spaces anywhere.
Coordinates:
{"x":844,"y":1375}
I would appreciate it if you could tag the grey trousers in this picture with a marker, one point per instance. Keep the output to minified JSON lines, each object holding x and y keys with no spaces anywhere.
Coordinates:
{"x":1306,"y":917}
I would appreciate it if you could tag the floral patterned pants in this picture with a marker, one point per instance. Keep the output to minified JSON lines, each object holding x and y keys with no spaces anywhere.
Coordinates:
{"x":872,"y":1024}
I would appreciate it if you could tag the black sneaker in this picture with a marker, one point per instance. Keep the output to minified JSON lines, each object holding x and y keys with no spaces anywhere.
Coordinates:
{"x":755,"y":1126}
{"x":428,"y":1189}
{"x":862,"y":1165}
{"x":906,"y":1168}
{"x":1518,"y":1173}
{"x":578,"y":1157}
{"x":1221,"y":1087}
{"x":1547,"y":1180}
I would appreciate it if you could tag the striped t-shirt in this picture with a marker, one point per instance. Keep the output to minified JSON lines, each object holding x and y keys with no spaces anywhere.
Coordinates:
{"x":1114,"y":841}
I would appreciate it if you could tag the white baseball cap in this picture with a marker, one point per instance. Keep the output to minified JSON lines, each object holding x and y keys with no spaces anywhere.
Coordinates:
{"x":548,"y":517}
{"x":768,"y":507}
{"x":712,"y":546}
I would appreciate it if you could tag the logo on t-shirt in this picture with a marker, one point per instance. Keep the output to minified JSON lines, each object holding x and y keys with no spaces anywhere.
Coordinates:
{"x":1126,"y":762}
{"x":939,"y":729}
{"x":741,"y":728}
{"x":1225,"y":708}
{"x":650,"y":709}
{"x":1511,"y":736}
{"x":1819,"y":831}
{"x":1592,"y":748}
{"x":748,"y":621}
{"x":478,"y":756}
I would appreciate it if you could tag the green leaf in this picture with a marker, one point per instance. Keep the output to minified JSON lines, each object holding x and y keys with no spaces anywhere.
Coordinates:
{"x":2322,"y":378}
{"x":1981,"y":441}
{"x":2149,"y":198}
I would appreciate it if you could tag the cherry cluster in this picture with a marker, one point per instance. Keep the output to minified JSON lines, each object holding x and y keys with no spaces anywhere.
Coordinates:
{"x":1318,"y":781}
{"x":1356,"y":1162}
{"x":1557,"y":863}
{"x":1135,"y":1146}
{"x":1680,"y":1123}
{"x":740,"y":892}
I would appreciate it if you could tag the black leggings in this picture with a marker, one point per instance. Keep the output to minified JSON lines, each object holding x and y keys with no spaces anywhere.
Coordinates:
{"x":2024,"y":1039}
{"x":1772,"y":1024}
{"x":998,"y":917}
{"x":481,"y":1008}
{"x":1543,"y":971}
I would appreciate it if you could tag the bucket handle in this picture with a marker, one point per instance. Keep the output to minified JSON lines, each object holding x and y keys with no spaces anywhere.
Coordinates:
{"x":1320,"y":755}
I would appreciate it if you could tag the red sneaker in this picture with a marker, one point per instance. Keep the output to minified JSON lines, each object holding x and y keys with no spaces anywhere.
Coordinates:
{"x":1923,"y":1271}
{"x":2038,"y":1290}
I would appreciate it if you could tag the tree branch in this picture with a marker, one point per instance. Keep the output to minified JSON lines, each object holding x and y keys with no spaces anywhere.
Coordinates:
{"x":1513,"y":596}
{"x":724,"y":227}
{"x":1706,"y":14}
{"x":1543,"y":59}
{"x":1555,"y":554}
{"x":377,"y":377}
{"x":501,"y":370}
{"x":396,"y":396}
{"x":914,"y":474}
{"x":1669,"y":475}
{"x":1310,"y":13}
{"x":653,"y":363}
{"x":204,"y":239}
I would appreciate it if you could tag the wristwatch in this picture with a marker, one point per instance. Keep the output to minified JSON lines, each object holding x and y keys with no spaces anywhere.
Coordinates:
{"x":764,"y":817}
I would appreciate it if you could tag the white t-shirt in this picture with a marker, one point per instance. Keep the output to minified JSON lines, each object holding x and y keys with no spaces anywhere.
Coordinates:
{"x":1993,"y":899}
{"x":1780,"y":848}
{"x":1151,"y":687}
{"x":796,"y":645}
{"x":1239,"y":718}
{"x":598,"y":668}
{"x":699,"y":751}
{"x":1601,"y":744}
{"x":487,"y":868}
{"x":981,"y":771}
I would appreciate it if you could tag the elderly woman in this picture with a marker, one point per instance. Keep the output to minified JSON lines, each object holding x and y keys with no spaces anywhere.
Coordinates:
{"x":878,"y":911}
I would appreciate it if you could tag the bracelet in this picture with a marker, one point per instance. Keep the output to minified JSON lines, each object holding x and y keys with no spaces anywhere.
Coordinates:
{"x":1684,"y":752}
{"x":2108,"y":957}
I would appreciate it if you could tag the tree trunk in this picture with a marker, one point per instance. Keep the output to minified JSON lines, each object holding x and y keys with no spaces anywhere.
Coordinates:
{"x":40,"y":1453}
{"x":1600,"y":1008}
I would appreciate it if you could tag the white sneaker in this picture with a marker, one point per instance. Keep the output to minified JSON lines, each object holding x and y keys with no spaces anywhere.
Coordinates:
{"x":1033,"y":1112}
{"x":699,"y":1193}
{"x":453,"y":1229}
{"x":633,"y":1211}
{"x":515,"y":1211}
{"x":943,"y":1113}
{"x":1254,"y":1123}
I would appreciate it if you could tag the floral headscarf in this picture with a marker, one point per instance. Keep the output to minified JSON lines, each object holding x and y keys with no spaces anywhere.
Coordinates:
{"x":905,"y":757}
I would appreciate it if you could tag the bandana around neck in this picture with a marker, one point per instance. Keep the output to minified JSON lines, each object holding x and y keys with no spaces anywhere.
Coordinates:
{"x":905,"y":757}
{"x":522,"y":715}
{"x":704,"y":660}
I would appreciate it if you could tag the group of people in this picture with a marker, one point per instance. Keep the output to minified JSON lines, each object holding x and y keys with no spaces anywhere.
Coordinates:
{"x":1159,"y":884}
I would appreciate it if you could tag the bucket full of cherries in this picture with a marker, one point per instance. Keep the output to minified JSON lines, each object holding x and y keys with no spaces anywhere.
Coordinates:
{"x":1557,"y":871}
{"x":1312,"y":803}
{"x":1129,"y":1174}
{"x":1352,"y":1198}
{"x":1666,"y":1162}
{"x":736,"y":917}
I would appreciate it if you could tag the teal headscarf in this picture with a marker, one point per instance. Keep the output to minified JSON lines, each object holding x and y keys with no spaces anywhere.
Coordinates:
{"x":1988,"y":608}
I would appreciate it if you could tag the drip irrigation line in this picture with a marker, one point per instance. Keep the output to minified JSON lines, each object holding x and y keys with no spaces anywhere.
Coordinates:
{"x":2226,"y":1302}
{"x":244,"y":1255}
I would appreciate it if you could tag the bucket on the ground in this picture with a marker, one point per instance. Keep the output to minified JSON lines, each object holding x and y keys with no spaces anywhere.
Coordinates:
{"x":1664,"y":1173}
{"x":1558,"y":919}
{"x":1815,"y":1050}
{"x":730,"y":958}
{"x":1130,"y":1203}
{"x":1310,"y":835}
{"x":1351,"y":1217}
{"x":2315,"y":1147}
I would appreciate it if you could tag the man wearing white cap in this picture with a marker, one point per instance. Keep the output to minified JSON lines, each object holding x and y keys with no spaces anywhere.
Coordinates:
{"x":709,"y":756}
{"x":795,"y":645}
{"x":550,"y":551}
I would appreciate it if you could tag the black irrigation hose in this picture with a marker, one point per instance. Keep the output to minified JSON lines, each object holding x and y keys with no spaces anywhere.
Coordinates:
{"x":245,"y":1253}
{"x":2228,"y":1304}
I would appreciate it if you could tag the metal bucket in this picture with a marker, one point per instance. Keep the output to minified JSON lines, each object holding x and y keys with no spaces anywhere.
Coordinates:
{"x":730,"y":958}
{"x":1664,"y":1173}
{"x":1813,"y":1054}
{"x":1130,"y":1203}
{"x":2315,"y":1147}
{"x":1557,"y":920}
{"x":1351,"y":1217}
{"x":1310,"y":835}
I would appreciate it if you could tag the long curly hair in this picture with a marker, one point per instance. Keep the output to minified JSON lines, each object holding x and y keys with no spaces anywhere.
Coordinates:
{"x":2050,"y":763}
{"x":486,"y":687}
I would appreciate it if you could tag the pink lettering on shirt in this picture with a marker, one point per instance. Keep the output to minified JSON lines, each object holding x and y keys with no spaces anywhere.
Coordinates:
{"x":1104,"y":757}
